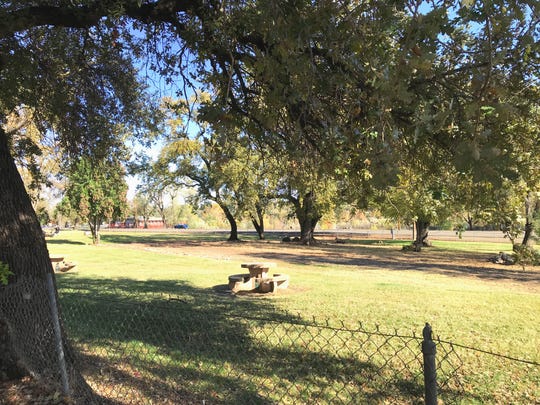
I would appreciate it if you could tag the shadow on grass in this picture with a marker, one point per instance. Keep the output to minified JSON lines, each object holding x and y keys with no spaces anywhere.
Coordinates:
{"x":370,"y":258}
{"x":56,"y":241}
{"x":136,"y":236}
{"x":170,"y":342}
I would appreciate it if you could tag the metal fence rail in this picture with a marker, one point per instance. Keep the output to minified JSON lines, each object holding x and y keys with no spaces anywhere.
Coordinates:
{"x":171,"y":350}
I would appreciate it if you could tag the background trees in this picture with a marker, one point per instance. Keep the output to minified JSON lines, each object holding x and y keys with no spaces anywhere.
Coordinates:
{"x":97,"y":190}
{"x":218,"y":165}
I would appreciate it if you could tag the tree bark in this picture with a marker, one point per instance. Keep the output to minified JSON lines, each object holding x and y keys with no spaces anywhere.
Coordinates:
{"x":421,"y":234}
{"x":532,"y":209}
{"x":470,"y":222}
{"x":258,"y":221}
{"x":527,"y":234}
{"x":233,"y":237}
{"x":307,"y":230}
{"x":25,"y":308}
{"x":94,"y":230}
{"x":307,"y":216}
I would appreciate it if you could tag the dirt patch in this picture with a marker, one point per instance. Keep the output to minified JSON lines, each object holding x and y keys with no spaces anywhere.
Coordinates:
{"x":28,"y":391}
{"x":378,"y":254}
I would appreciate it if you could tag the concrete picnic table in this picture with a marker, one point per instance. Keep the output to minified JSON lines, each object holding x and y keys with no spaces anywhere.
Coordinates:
{"x":258,"y":270}
{"x":56,"y":258}
{"x":258,"y":278}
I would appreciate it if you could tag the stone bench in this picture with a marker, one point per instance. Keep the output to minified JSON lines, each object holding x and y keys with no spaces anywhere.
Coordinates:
{"x":242,"y":282}
{"x":274,"y":283}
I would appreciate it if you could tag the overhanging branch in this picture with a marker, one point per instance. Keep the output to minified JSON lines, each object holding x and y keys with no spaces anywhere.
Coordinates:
{"x":24,"y":18}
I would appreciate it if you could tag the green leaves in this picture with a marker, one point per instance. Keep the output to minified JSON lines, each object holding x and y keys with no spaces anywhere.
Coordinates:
{"x":5,"y":272}
{"x":97,"y":190}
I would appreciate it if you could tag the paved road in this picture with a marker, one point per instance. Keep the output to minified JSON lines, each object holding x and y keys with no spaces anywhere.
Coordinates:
{"x":405,"y":234}
{"x":492,"y":236}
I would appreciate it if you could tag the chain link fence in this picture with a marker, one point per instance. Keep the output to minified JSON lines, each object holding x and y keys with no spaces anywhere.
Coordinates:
{"x":149,"y":349}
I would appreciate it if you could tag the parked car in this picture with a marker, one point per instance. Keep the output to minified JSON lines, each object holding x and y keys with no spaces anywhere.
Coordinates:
{"x":181,"y":226}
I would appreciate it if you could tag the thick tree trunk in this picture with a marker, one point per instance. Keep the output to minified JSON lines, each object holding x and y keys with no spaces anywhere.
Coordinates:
{"x":26,"y":303}
{"x":307,"y":230}
{"x":307,"y":216}
{"x":421,"y":234}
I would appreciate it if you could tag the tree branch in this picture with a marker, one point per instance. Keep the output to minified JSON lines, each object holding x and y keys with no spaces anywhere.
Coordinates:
{"x":21,"y":19}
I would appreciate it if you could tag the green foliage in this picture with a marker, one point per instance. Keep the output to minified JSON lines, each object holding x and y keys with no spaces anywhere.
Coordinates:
{"x":97,"y":191}
{"x":416,"y":198}
{"x":5,"y":272}
{"x":43,"y":215}
{"x":361,"y":90}
{"x":221,"y":162}
{"x":526,"y":255}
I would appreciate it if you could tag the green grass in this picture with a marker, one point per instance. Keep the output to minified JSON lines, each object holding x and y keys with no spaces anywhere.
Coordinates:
{"x":484,"y":247}
{"x":493,"y":311}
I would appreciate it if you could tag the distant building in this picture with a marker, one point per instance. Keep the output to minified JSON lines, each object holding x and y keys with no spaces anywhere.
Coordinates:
{"x":139,"y":223}
{"x":152,"y":222}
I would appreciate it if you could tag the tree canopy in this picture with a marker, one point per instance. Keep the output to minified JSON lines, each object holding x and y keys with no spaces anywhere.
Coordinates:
{"x":97,"y":189}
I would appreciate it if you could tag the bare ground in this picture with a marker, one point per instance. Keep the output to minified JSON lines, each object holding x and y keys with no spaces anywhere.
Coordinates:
{"x":349,"y":252}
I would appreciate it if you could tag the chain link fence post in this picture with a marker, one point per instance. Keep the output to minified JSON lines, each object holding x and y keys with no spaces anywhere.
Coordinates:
{"x":429,"y":350}
{"x":58,"y":335}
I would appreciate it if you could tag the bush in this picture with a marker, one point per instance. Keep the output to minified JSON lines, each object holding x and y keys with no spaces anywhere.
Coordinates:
{"x":526,"y":255}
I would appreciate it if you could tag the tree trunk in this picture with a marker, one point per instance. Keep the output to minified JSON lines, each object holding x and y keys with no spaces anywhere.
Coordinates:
{"x":258,"y":222}
{"x":421,"y":234}
{"x":470,"y":222}
{"x":307,"y":216}
{"x":532,"y":209}
{"x":233,"y":237}
{"x":26,"y":305}
{"x":161,"y":208}
{"x":94,"y":225}
{"x":307,"y":230}
{"x":527,"y":234}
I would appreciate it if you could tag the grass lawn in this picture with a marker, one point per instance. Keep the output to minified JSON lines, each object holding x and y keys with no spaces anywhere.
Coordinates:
{"x":452,"y":286}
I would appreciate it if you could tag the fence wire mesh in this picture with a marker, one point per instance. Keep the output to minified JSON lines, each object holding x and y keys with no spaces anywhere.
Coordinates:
{"x":148,"y":349}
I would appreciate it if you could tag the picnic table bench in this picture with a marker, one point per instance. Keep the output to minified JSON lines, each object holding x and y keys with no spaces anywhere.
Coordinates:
{"x":59,"y":264}
{"x":258,"y":279}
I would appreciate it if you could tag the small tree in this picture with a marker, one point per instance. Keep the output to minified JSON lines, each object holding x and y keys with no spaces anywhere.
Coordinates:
{"x":141,"y":207}
{"x":97,"y":190}
{"x":417,"y":201}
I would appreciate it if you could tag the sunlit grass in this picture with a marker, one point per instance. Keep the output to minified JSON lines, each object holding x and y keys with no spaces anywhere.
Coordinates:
{"x":463,"y":308}
{"x":489,"y":314}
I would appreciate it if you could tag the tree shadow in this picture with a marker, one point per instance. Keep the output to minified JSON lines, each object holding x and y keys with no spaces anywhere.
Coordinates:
{"x":163,"y":237}
{"x":370,"y":258}
{"x":169,"y":342}
{"x":57,"y":241}
{"x":126,"y":239}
